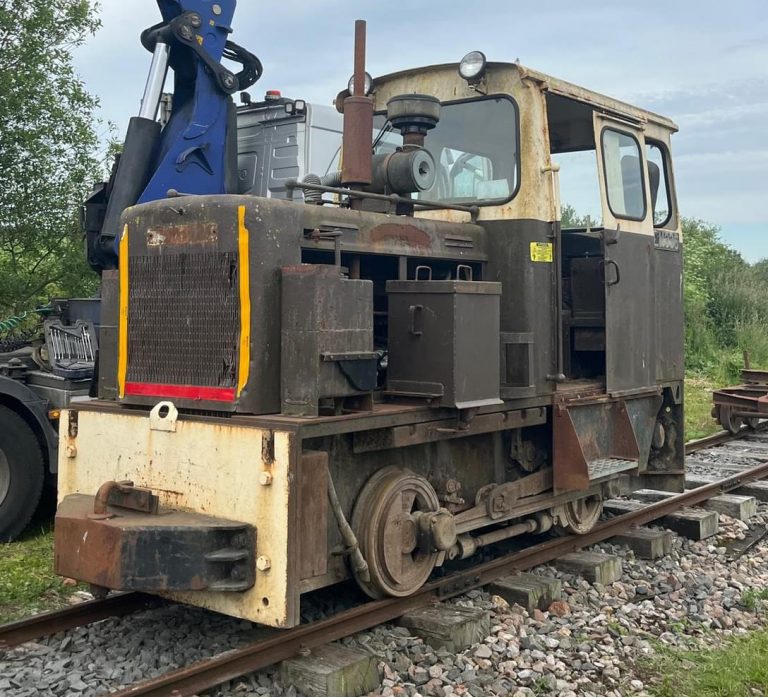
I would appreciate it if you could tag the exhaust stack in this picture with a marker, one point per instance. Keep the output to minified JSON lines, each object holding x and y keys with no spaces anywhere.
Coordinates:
{"x":358,"y":123}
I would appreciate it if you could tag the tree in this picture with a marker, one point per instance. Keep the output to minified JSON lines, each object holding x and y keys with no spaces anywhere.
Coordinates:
{"x":47,"y":151}
{"x":726,"y":303}
{"x":570,"y":219}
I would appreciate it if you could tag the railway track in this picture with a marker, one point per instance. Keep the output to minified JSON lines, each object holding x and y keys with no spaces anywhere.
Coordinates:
{"x":209,"y":673}
{"x":719,"y":438}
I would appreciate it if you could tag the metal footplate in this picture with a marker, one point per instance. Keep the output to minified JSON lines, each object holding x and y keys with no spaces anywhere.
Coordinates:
{"x":608,"y":467}
{"x":121,"y":540}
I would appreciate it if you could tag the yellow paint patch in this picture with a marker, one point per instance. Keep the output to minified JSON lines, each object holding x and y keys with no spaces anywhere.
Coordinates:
{"x":122,"y":337}
{"x":245,"y":302}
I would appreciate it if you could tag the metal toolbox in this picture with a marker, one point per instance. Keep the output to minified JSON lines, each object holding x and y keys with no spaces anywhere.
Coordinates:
{"x":444,"y":341}
{"x":327,"y":339}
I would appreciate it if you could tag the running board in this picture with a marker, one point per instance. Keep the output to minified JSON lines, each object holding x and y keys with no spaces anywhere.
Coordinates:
{"x":598,"y":440}
{"x":608,"y":467}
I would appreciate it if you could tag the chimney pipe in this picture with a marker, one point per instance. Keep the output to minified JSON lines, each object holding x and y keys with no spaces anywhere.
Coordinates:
{"x":357,"y":155}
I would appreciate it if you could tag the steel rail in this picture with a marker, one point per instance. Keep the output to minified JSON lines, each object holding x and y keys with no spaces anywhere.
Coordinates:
{"x":209,"y":673}
{"x":84,"y":613}
{"x":721,"y":437}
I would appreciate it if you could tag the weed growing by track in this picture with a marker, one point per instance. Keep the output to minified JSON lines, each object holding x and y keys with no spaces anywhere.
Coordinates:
{"x":738,"y":669}
{"x":750,"y":598}
{"x":698,"y":407}
{"x":27,"y":582}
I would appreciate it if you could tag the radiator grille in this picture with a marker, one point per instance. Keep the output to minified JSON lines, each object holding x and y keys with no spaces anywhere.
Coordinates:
{"x":183,"y":319}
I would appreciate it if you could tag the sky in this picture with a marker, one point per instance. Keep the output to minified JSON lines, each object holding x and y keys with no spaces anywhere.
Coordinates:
{"x":704,"y":63}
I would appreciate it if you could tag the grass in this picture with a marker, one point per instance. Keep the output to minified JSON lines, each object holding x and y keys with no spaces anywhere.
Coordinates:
{"x":739,"y":669}
{"x":27,"y":582}
{"x":698,"y":407}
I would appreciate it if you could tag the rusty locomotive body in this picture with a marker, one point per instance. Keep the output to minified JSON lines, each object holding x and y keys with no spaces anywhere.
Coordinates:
{"x":372,"y":381}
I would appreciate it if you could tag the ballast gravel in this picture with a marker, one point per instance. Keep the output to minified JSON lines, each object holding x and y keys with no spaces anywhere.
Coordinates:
{"x":592,"y":642}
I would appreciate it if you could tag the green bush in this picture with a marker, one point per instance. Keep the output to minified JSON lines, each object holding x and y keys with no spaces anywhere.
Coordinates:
{"x":726,"y":306}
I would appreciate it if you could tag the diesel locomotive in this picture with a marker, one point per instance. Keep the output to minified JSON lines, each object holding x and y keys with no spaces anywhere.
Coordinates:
{"x":382,"y":370}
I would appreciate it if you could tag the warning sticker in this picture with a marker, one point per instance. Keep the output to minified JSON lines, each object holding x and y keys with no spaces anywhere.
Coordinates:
{"x":541,"y":251}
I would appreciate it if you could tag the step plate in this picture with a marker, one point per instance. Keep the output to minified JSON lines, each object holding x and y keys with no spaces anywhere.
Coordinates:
{"x":609,"y":466}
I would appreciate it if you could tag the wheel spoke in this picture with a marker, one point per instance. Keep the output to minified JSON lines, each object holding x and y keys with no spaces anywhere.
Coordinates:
{"x":407,"y":497}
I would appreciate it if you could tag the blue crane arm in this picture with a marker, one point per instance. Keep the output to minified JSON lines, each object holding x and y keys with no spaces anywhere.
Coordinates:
{"x":192,"y":154}
{"x":195,"y":153}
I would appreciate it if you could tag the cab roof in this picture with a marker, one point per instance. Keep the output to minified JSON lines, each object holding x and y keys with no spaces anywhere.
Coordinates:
{"x":546,"y":83}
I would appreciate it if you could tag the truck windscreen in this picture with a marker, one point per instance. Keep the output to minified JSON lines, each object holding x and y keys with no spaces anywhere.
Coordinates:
{"x":475,"y":146}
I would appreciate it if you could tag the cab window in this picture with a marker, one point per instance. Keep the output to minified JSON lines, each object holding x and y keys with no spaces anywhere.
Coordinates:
{"x":658,"y":177}
{"x":624,"y":180}
{"x":475,"y":146}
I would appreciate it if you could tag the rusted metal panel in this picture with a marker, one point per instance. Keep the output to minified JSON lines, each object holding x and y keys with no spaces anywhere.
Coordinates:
{"x":378,"y":233}
{"x":413,"y":434}
{"x":182,"y":234}
{"x":312,"y":505}
{"x":759,"y":378}
{"x":585,"y":433}
{"x":571,"y":469}
{"x":624,"y":442}
{"x":327,"y":338}
{"x":405,"y":233}
{"x":124,"y":549}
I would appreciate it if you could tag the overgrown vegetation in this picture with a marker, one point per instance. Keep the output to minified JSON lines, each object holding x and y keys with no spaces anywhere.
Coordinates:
{"x":47,"y":152}
{"x":739,"y":669}
{"x":27,"y":582}
{"x":726,"y":306}
{"x":726,"y":316}
{"x":698,"y":406}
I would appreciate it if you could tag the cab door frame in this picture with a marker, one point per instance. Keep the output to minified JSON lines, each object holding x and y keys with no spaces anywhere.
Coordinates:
{"x":628,"y":259}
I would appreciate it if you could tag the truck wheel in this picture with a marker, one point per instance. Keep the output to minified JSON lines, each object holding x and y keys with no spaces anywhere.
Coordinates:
{"x":22,"y":471}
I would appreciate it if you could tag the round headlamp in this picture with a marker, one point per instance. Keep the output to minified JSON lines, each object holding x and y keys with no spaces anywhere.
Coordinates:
{"x":472,"y":66}
{"x":366,"y":88}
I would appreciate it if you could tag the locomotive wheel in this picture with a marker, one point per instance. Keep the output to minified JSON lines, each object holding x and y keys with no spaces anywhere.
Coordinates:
{"x":752,"y":422}
{"x":385,"y":521}
{"x":728,"y":421}
{"x":580,"y":516}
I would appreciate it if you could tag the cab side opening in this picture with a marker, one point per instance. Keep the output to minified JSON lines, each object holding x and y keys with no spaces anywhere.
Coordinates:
{"x":582,"y":302}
